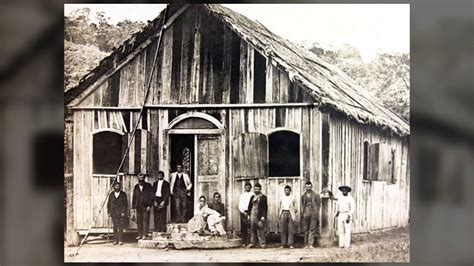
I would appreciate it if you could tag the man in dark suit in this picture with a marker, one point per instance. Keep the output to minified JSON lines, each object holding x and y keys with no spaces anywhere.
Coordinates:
{"x":117,"y":208}
{"x":161,"y":189}
{"x":257,"y":210}
{"x":141,"y":205}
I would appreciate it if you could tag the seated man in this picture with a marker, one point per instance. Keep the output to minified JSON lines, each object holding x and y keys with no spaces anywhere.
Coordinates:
{"x":214,"y":220}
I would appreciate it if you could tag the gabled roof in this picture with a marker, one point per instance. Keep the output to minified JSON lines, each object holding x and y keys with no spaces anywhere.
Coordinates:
{"x":330,"y":87}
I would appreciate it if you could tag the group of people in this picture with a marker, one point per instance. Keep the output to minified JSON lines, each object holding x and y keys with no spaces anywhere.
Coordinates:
{"x":145,"y":197}
{"x":253,"y":208}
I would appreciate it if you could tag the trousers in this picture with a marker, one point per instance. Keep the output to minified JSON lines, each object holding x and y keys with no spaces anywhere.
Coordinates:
{"x":310,"y":225}
{"x":255,"y":232}
{"x":344,"y":230}
{"x":244,"y":229}
{"x":287,"y":228}
{"x":160,"y":219}
{"x":143,"y":222}
{"x":180,"y":204}
{"x":214,"y":223}
{"x":118,"y":229}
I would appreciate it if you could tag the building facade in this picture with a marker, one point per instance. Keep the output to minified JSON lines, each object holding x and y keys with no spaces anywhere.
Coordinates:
{"x":233,"y":102}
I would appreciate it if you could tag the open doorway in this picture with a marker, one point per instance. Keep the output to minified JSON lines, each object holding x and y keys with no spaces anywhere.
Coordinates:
{"x":182,"y":152}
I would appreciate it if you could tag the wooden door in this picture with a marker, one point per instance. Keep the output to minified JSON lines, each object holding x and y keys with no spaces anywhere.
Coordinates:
{"x":209,"y":158}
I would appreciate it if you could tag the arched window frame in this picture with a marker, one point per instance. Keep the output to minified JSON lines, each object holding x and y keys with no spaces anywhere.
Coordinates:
{"x":93,"y":133}
{"x":300,"y":151}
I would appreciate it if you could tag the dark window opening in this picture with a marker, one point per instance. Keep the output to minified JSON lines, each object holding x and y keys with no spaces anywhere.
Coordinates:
{"x":107,"y":152}
{"x":325,"y":149}
{"x":145,"y":119}
{"x":366,"y":161}
{"x":284,"y":154}
{"x":259,"y":78}
{"x":235,"y":70}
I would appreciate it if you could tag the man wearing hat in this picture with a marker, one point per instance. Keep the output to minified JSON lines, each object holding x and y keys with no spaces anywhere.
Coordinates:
{"x":344,"y":210}
{"x":257,"y":210}
{"x":117,"y":208}
{"x":244,"y":200}
{"x":142,"y":201}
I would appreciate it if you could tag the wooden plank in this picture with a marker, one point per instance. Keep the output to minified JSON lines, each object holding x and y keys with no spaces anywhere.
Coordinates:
{"x":250,"y":73}
{"x":275,"y":85}
{"x":243,"y":82}
{"x":166,"y":73}
{"x":196,"y":60}
{"x":269,"y":81}
{"x":284,"y":86}
{"x":227,"y":51}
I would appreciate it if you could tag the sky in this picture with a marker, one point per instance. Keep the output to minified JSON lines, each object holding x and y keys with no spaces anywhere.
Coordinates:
{"x":371,"y":28}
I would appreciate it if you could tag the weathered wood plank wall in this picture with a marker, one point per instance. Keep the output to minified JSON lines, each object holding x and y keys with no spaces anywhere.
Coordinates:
{"x":198,"y":61}
{"x":379,"y":204}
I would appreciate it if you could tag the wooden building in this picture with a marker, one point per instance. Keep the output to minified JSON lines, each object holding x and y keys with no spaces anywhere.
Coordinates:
{"x":234,"y":102}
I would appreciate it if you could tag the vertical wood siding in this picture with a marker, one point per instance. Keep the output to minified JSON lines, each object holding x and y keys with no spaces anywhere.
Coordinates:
{"x":379,"y":204}
{"x":194,"y":65}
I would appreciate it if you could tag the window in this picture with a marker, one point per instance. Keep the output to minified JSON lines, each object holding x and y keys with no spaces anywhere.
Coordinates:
{"x":366,"y":160}
{"x":106,"y":152}
{"x":284,"y":154}
{"x":259,"y":78}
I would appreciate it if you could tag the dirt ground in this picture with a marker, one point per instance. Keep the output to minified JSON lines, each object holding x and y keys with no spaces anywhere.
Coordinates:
{"x":388,"y":246}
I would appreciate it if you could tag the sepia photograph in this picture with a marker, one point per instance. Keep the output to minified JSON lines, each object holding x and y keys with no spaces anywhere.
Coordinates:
{"x":237,"y":133}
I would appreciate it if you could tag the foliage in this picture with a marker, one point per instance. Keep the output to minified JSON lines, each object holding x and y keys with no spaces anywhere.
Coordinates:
{"x":86,"y":42}
{"x":386,"y":77}
{"x":79,"y":59}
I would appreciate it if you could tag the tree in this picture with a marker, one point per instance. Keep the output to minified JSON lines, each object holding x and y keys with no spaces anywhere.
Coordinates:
{"x":386,"y":78}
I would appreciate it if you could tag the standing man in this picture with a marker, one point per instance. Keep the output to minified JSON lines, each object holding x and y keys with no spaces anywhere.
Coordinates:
{"x":244,"y":201}
{"x":310,"y":203}
{"x":344,"y":210}
{"x":287,"y":218}
{"x":161,"y":189}
{"x":141,"y":205}
{"x":117,"y":208}
{"x":257,"y":210}
{"x":180,"y":189}
{"x":217,"y":204}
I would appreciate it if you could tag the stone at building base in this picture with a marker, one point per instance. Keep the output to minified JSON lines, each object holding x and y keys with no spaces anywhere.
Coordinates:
{"x":178,"y":237}
{"x":216,"y":243}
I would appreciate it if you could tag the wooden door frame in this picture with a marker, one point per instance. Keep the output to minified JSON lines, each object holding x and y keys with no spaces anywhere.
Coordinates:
{"x":170,"y":130}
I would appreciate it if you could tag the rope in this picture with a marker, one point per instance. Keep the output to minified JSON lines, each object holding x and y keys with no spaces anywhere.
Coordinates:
{"x":133,"y":134}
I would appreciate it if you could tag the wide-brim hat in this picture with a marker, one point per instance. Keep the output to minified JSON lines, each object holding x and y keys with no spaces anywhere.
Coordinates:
{"x":342,"y":188}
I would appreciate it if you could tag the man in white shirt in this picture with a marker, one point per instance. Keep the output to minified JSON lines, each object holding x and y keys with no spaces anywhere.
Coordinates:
{"x":287,"y":218}
{"x":180,"y":190}
{"x":161,"y":189}
{"x":244,"y":200}
{"x":344,"y":211}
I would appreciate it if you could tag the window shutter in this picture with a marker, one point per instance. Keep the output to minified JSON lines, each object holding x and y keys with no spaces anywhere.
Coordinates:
{"x":373,"y":169}
{"x":250,"y":155}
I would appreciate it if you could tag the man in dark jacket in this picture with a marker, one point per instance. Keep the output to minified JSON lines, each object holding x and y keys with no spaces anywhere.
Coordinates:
{"x":141,"y":205}
{"x":117,"y":208}
{"x":161,"y":190}
{"x":258,"y":216}
{"x":310,"y":203}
